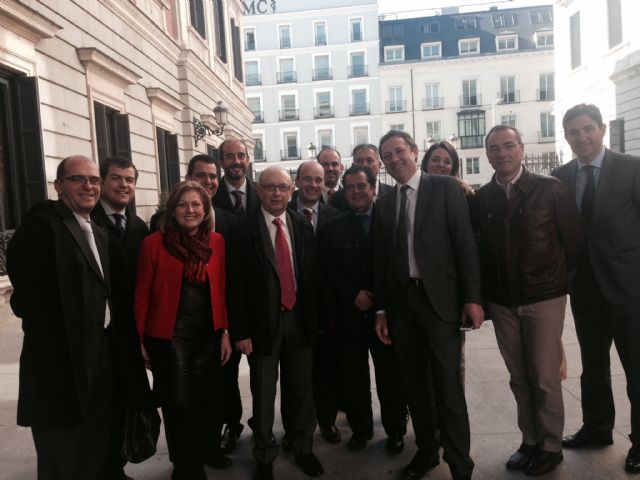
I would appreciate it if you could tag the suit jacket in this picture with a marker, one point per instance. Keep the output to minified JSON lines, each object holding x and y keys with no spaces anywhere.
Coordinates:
{"x":614,"y":240}
{"x":444,"y":248}
{"x":253,"y":288}
{"x":159,"y":284}
{"x":223,"y":200}
{"x":61,"y":296}
{"x":325,"y":213}
{"x":346,"y":256}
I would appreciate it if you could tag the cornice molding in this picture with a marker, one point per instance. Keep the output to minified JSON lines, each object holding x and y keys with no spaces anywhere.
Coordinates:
{"x":96,"y":61}
{"x":164,"y":100}
{"x":26,"y":21}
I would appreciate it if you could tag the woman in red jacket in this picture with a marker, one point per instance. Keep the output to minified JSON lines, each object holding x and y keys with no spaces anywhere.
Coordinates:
{"x":181,"y":317}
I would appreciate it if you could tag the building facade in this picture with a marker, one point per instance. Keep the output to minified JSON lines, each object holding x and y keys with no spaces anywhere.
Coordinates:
{"x":598,"y":61}
{"x":311,"y":74}
{"x":453,"y":76}
{"x":110,"y":77}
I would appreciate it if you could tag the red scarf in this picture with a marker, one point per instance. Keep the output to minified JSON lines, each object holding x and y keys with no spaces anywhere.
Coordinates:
{"x":193,"y":250}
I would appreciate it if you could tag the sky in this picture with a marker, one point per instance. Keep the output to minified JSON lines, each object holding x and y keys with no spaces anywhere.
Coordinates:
{"x":417,"y":8}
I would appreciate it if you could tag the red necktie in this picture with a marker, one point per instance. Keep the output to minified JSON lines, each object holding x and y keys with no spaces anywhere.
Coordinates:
{"x":309,"y":213}
{"x":330,"y":194}
{"x":285,"y":270}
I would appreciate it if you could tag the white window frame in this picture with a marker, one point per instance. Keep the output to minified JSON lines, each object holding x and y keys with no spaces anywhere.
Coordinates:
{"x":395,"y":49}
{"x":245,"y":31}
{"x":321,"y":128}
{"x":430,"y":45}
{"x":505,"y":40}
{"x":280,"y":105}
{"x":544,"y":35}
{"x":326,"y":32}
{"x":259,"y":134}
{"x":472,"y":165}
{"x":280,"y":27}
{"x":283,"y":144}
{"x":367,"y":98}
{"x":257,"y":62}
{"x":513,"y":116}
{"x":397,"y":126}
{"x":468,"y":42}
{"x":353,"y":132}
{"x":351,"y":22}
{"x":323,"y":54}
{"x":435,"y":133}
{"x":316,"y":105}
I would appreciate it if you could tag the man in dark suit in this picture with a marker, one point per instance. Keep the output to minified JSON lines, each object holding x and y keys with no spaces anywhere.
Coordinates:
{"x":346,"y":246}
{"x":366,"y":155}
{"x":236,"y":193}
{"x":331,"y":161}
{"x":427,"y":277}
{"x":81,"y":354}
{"x":326,"y":368}
{"x":605,"y":293}
{"x":271,"y":254}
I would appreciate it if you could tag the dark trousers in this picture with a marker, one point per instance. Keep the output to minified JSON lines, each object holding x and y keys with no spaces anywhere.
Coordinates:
{"x":354,"y":361}
{"x":296,"y":391}
{"x":598,"y":324}
{"x":233,"y":402}
{"x":425,"y":343}
{"x":326,"y":378}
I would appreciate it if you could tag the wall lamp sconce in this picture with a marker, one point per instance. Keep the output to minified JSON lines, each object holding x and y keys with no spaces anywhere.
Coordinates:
{"x":211,"y":124}
{"x":311,"y":150}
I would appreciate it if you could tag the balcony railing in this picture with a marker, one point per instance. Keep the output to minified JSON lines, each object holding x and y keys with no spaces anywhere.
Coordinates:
{"x":359,"y":109}
{"x":285,"y":42}
{"x":546,"y":137}
{"x":321,"y":74}
{"x":320,"y":39}
{"x":258,"y":116}
{"x":250,"y":47}
{"x":323,"y":112}
{"x":509,"y":97}
{"x":358,"y":71}
{"x":290,"y":154}
{"x":472,"y":141}
{"x":259,"y":156}
{"x":287,"y":77}
{"x":468,"y":100}
{"x":396,"y":106}
{"x":433,"y":103}
{"x":356,"y":36}
{"x":545,"y":95}
{"x":288,"y":114}
{"x":253,"y":79}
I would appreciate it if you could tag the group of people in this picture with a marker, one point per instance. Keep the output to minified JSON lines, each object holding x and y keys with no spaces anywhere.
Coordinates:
{"x":306,"y":281}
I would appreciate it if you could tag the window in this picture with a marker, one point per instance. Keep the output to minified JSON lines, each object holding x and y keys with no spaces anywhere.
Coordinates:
{"x":508,"y":93}
{"x":287,"y":74}
{"x":505,"y":20}
{"x":249,"y":40}
{"x":320,"y":33}
{"x":168,"y":159}
{"x":288,"y":110}
{"x":471,"y":129}
{"x":221,"y":41}
{"x":359,"y":105}
{"x":112,"y":132}
{"x":574,"y":40}
{"x":616,"y":135}
{"x":547,"y":87}
{"x":255,"y":104}
{"x":507,"y":42}
{"x":284,"y":32}
{"x":235,"y":46}
{"x":196,"y":14}
{"x":472,"y":165}
{"x":322,"y":68}
{"x":469,"y":46}
{"x":547,"y":127}
{"x":544,"y":39}
{"x":429,"y":27}
{"x":357,"y":67}
{"x":252,"y":73}
{"x":466,"y":23}
{"x":393,"y":32}
{"x":355,"y":25}
{"x":325,"y":138}
{"x":433,"y":130}
{"x":470,"y":95}
{"x":393,"y":54}
{"x":360,"y":135}
{"x":324,"y":109}
{"x":614,"y":22}
{"x":432,"y":99}
{"x":291,"y":151}
{"x":508,"y":120}
{"x":541,"y":16}
{"x":431,"y":50}
{"x":396,"y":103}
{"x":258,"y":149}
{"x":398,"y":127}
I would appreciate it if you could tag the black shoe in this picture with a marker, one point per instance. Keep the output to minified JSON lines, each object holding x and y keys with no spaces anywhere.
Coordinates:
{"x":419,"y":465}
{"x":543,"y":462}
{"x":587,"y":437}
{"x":218,"y":461}
{"x":286,"y":444}
{"x":358,"y":441}
{"x":395,"y":444}
{"x":309,"y":464}
{"x":264,"y":471}
{"x":520,"y":459}
{"x":331,"y":434}
{"x":632,"y":463}
{"x":230,"y":436}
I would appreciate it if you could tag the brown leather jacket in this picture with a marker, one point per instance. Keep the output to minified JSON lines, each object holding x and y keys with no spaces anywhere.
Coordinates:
{"x":528,"y":243}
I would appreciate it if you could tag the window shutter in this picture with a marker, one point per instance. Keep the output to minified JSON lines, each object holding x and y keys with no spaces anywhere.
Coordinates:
{"x":122,"y":139}
{"x":237,"y":51}
{"x":30,"y":142}
{"x":173,"y":159}
{"x":102,"y":137}
{"x":212,"y":152}
{"x":221,"y":41}
{"x":162,"y":160}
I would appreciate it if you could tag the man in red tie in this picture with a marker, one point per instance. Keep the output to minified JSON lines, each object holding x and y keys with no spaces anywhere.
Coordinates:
{"x":271,"y":253}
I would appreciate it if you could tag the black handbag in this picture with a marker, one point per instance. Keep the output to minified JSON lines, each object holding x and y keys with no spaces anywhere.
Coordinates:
{"x":141,"y":432}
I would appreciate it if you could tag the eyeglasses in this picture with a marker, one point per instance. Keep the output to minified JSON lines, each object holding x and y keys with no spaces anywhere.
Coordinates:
{"x":81,"y":179}
{"x":507,"y":146}
{"x":271,"y":188}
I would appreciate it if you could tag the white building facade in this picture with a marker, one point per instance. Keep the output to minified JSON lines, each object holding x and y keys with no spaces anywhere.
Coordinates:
{"x":311,"y":74}
{"x":453,"y":76}
{"x":598,"y":61}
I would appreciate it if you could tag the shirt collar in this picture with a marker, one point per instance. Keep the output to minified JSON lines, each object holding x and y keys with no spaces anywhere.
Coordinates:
{"x":511,"y":182}
{"x":597,"y":162}
{"x":231,"y":188}
{"x":302,"y":207}
{"x":269,"y":218}
{"x":414,"y":181}
{"x":110,"y":211}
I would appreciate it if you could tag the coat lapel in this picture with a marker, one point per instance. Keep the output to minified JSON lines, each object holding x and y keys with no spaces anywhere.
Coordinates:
{"x":605,"y":184}
{"x":423,"y":193}
{"x":72,"y":225}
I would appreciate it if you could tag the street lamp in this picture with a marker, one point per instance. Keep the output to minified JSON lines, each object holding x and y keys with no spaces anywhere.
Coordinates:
{"x":311,"y":150}
{"x":200,"y":127}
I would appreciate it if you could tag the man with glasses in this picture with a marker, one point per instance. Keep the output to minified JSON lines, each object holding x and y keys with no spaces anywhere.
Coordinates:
{"x":271,"y":253}
{"x":81,"y":353}
{"x":529,"y":238}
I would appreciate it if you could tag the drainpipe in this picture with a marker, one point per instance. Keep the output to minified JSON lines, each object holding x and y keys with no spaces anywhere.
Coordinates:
{"x":413,"y":110}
